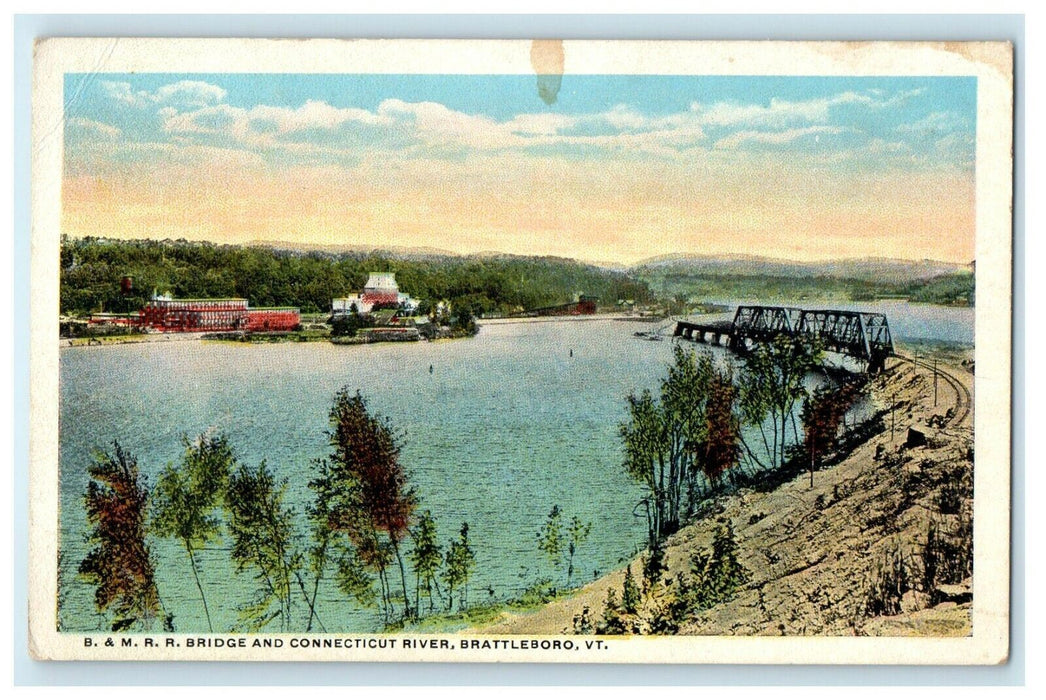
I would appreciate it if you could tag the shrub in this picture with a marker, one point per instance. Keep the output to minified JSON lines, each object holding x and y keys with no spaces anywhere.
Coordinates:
{"x":583,"y":622}
{"x":889,"y":582}
{"x":655,"y":564}
{"x":715,"y":575}
{"x":714,"y":578}
{"x":956,"y":488}
{"x":612,"y":622}
{"x":951,"y":552}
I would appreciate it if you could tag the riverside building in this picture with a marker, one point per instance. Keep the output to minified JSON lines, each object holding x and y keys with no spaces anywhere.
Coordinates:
{"x":381,"y":291}
{"x":168,"y":315}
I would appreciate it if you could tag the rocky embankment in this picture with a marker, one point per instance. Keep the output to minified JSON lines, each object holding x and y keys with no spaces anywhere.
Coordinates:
{"x":881,"y":544}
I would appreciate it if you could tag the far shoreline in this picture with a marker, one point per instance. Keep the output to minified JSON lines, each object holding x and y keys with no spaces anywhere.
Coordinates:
{"x":131,"y":339}
{"x":613,"y":316}
{"x":138,"y":338}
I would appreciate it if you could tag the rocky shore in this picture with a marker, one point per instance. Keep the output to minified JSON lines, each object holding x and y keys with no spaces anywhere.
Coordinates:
{"x":881,"y":544}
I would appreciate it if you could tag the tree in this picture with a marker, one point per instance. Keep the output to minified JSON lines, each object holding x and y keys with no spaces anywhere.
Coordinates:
{"x":91,"y":271}
{"x":771,"y":385}
{"x":577,"y":533}
{"x":348,"y":324}
{"x":120,"y":563}
{"x":460,"y":562}
{"x":426,"y":557}
{"x":464,"y":320}
{"x":353,"y":580}
{"x":721,"y":443}
{"x":821,"y":416}
{"x":187,"y":497}
{"x":321,"y":522}
{"x":611,"y":622}
{"x":643,"y":437}
{"x":630,"y":596}
{"x":364,"y":488}
{"x":684,"y":395}
{"x":550,"y":537}
{"x":262,"y":531}
{"x":346,"y":539}
{"x":663,"y":439}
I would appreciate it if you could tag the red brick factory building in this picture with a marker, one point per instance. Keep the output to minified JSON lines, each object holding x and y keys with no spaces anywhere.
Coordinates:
{"x":168,"y":315}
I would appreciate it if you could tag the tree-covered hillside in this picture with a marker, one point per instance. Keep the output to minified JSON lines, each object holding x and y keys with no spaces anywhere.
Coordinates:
{"x":91,"y":270}
{"x":952,"y":289}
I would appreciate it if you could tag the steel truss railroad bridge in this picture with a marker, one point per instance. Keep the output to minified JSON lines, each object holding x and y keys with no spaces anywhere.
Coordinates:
{"x":858,"y":334}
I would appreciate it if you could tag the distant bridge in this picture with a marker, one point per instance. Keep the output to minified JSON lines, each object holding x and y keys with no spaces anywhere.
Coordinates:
{"x":858,"y":334}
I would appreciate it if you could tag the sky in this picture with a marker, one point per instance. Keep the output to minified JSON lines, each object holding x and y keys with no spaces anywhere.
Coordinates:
{"x":613,"y":169}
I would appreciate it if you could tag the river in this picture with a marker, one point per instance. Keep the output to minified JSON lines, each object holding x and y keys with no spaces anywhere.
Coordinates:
{"x":504,"y":426}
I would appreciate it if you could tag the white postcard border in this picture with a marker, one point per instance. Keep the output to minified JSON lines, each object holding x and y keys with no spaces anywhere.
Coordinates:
{"x":990,"y":62}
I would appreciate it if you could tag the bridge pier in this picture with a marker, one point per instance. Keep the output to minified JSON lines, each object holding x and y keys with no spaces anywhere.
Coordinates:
{"x":877,"y":363}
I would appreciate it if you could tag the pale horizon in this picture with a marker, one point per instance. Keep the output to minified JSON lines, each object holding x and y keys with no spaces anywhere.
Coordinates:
{"x":616,"y":170}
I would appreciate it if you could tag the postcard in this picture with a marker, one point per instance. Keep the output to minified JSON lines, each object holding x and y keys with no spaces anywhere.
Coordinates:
{"x":512,"y":351}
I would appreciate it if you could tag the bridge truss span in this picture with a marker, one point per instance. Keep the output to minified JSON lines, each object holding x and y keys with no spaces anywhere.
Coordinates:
{"x":860,"y":334}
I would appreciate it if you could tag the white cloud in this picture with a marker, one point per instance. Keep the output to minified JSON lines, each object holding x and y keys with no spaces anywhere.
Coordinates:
{"x":437,"y":125}
{"x":878,"y":147}
{"x":184,"y":94}
{"x":122,"y":92}
{"x":431,"y":125}
{"x":775,"y":137}
{"x":219,"y":119}
{"x":195,"y":112}
{"x":189,"y":93}
{"x":92,"y":129}
{"x":626,"y":118}
{"x":780,"y":114}
{"x":540,"y":124}
{"x":263,"y":125}
{"x":311,"y":115}
{"x":935,"y":122}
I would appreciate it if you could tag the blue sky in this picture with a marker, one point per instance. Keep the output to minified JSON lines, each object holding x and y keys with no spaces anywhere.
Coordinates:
{"x":504,"y":96}
{"x":411,"y":138}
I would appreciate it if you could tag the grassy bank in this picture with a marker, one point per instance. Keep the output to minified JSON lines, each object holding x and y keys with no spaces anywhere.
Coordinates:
{"x":534,"y":598}
{"x":310,"y":336}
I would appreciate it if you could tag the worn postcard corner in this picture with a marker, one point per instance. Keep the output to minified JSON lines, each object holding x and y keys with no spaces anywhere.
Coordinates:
{"x":552,"y":351}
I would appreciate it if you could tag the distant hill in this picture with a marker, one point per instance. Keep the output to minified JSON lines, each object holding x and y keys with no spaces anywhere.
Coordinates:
{"x":695,"y":278}
{"x":344,"y":249}
{"x":421,"y":253}
{"x":888,"y":270}
{"x":883,"y":270}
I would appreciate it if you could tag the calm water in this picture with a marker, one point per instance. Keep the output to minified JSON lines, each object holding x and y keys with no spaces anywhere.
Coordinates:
{"x":506,"y":425}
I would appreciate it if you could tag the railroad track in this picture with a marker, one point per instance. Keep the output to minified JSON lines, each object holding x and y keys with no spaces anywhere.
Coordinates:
{"x":963,"y":397}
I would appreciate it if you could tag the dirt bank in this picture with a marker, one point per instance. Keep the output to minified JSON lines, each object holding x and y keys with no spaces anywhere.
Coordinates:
{"x":878,"y":546}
